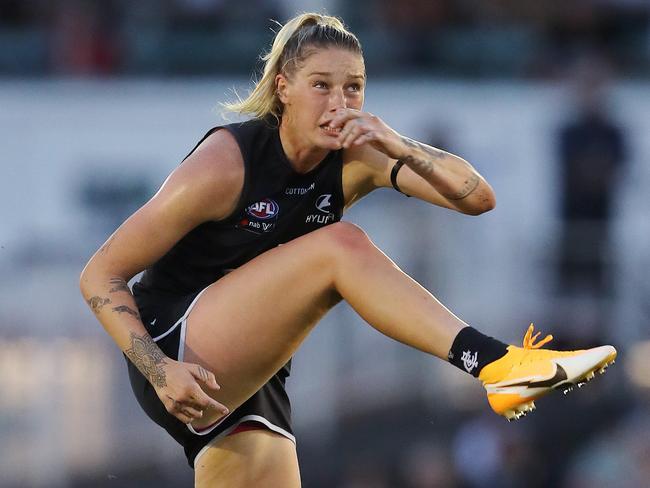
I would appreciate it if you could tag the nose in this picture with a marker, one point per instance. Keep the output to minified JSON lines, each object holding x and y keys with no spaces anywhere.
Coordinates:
{"x":337,"y":100}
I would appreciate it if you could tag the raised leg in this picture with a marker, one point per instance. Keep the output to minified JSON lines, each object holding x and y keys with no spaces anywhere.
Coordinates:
{"x":249,"y":323}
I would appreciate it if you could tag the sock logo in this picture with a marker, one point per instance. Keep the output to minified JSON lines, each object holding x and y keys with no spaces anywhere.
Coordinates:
{"x":470,"y":361}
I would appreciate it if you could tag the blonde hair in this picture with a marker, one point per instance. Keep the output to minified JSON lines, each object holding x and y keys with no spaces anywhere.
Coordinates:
{"x":289,"y":49}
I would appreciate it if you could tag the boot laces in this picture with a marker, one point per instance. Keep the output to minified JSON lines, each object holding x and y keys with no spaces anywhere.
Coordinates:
{"x":529,"y":339}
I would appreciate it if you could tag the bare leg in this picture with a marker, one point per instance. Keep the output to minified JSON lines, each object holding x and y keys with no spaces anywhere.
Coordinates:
{"x":253,"y":458}
{"x":249,"y":323}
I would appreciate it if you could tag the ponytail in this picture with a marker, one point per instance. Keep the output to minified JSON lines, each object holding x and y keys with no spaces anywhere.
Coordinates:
{"x":289,"y":49}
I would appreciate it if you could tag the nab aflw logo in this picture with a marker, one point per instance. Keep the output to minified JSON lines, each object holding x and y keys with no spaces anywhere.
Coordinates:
{"x":264,"y":209}
{"x":470,"y":361}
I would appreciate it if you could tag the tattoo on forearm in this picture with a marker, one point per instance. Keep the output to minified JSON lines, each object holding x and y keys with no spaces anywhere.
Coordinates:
{"x":425,"y":167}
{"x":96,"y":303}
{"x":466,"y":190}
{"x":422,"y":167}
{"x":126,"y":309}
{"x":431,"y":151}
{"x":145,"y":354}
{"x":118,"y":284}
{"x":105,"y":247}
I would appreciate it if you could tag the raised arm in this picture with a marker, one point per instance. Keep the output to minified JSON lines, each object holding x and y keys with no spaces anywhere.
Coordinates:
{"x":206,"y":186}
{"x":422,"y":171}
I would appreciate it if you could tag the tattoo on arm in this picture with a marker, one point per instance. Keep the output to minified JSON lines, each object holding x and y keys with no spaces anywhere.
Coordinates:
{"x":466,"y":190}
{"x":431,"y":151}
{"x":426,"y":167}
{"x":96,"y":303}
{"x":145,"y":354}
{"x":126,"y":309}
{"x":118,"y":284}
{"x":423,"y":167}
{"x":105,"y":247}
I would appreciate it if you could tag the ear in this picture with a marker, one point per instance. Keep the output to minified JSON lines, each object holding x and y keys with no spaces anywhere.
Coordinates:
{"x":282,"y":88}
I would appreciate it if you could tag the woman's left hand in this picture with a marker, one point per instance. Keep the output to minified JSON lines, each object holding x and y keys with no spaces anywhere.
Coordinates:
{"x":358,"y":128}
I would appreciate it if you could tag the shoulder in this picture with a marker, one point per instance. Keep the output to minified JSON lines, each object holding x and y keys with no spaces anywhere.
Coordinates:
{"x":212,"y":176}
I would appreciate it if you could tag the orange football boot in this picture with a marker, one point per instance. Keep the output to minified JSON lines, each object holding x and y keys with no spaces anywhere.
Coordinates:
{"x":514,"y":381}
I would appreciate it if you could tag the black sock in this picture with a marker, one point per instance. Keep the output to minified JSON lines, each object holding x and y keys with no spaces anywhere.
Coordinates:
{"x":472,"y":350}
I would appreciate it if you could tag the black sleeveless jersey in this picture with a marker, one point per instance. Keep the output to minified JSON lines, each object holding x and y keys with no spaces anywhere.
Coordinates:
{"x":277,"y":205}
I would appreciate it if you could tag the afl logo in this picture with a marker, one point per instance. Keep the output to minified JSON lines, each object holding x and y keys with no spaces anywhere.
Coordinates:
{"x":264,"y":209}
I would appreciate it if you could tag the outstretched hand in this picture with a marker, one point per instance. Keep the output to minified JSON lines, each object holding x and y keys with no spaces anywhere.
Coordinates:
{"x":183,"y":393}
{"x":358,"y":128}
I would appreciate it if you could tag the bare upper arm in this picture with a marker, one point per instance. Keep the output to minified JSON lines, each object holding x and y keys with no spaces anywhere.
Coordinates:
{"x":205,"y":187}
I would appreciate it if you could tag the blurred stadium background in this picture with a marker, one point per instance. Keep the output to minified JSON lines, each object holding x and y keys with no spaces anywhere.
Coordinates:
{"x":99,"y":100}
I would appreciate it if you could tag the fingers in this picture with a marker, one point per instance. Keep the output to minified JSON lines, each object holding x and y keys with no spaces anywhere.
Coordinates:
{"x":202,"y":399}
{"x":357,"y":127}
{"x":343,"y":115}
{"x":204,"y":376}
{"x":367,"y":137}
{"x":182,"y":412}
{"x":187,"y":400}
{"x":190,"y":410}
{"x":352,"y":130}
{"x":358,"y":133}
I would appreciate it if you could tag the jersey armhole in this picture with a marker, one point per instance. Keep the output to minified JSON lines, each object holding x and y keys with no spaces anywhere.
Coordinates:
{"x":243,"y":197}
{"x":339,"y":181}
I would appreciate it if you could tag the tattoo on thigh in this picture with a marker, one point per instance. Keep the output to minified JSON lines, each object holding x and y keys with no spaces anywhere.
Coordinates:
{"x":118,"y":284}
{"x":96,"y":303}
{"x":126,"y":309}
{"x":145,"y":354}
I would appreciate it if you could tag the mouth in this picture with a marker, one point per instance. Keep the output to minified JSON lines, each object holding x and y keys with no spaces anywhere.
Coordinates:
{"x":330,"y":131}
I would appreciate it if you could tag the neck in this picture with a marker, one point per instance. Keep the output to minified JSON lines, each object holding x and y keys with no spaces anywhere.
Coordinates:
{"x":302,"y":156}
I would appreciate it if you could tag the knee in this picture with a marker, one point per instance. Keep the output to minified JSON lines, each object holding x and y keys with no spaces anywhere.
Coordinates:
{"x":346,"y":238}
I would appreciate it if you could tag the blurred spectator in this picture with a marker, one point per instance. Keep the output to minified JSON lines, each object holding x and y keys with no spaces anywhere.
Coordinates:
{"x":198,"y":14}
{"x":416,"y":22}
{"x":427,"y":465}
{"x":84,"y":39}
{"x":365,"y":472}
{"x":15,"y":13}
{"x":478,"y":453}
{"x":592,"y":153}
{"x":459,"y":37}
{"x":618,"y":457}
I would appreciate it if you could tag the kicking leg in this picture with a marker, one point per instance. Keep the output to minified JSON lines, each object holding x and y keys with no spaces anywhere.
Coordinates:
{"x":249,"y":323}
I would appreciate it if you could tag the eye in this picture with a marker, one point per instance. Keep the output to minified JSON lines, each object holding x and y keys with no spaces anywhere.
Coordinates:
{"x":354,"y":87}
{"x":320,"y":84}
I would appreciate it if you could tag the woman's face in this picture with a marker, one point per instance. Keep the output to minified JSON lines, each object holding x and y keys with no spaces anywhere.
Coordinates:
{"x":328,"y":80}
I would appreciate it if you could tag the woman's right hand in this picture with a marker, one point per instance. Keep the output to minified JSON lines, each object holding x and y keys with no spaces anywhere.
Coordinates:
{"x":182,"y":391}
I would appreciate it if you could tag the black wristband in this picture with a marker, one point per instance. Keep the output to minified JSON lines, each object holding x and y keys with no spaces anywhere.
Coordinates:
{"x":393,"y":176}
